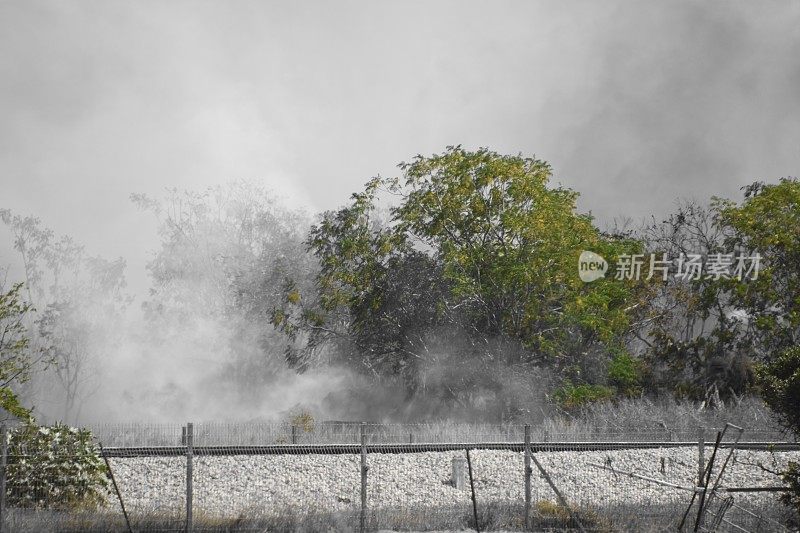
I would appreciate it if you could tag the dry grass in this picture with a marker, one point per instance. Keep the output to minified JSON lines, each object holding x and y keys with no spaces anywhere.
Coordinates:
{"x":636,"y":419}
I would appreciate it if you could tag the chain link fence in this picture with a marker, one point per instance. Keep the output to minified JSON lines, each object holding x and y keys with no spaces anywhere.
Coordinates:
{"x":345,"y":476}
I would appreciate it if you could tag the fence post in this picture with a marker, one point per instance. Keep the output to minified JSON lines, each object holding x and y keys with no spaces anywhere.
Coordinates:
{"x":3,"y":462}
{"x":189,"y":488}
{"x":472,"y":490}
{"x":116,"y":489}
{"x":294,"y":434}
{"x":528,"y":472}
{"x":701,"y":452}
{"x":364,"y":467}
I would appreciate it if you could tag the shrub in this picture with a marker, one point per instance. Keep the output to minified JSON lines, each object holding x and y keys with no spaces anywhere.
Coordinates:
{"x":624,"y":373}
{"x":550,"y":516}
{"x":780,"y":383}
{"x":304,"y":420}
{"x":571,"y":396}
{"x":55,"y":467}
{"x":791,"y":477}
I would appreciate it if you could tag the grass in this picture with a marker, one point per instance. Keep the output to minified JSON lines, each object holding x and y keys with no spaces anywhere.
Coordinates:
{"x":492,"y":516}
{"x":633,"y":419}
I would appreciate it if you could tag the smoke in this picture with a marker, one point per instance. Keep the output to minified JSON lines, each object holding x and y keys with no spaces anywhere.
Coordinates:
{"x":635,"y":104}
{"x":200,"y":344}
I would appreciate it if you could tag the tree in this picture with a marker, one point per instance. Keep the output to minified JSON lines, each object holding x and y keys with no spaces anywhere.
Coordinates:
{"x":477,"y":246}
{"x":509,"y":244}
{"x":221,"y":266}
{"x":768,"y":221}
{"x":79,"y":299}
{"x":16,"y":360}
{"x":696,"y":345}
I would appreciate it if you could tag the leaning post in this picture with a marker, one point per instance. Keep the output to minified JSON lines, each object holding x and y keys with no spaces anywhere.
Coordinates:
{"x":528,"y":472}
{"x":364,"y":467}
{"x":3,"y":463}
{"x":701,"y":452}
{"x":189,"y":487}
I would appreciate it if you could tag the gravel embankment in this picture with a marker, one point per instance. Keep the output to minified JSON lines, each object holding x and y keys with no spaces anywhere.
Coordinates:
{"x":233,"y":486}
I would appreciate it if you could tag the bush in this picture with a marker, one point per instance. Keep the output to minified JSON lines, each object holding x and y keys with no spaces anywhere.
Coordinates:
{"x":572,"y":397}
{"x":624,"y":373}
{"x":780,"y":384}
{"x":55,"y":467}
{"x":791,"y":477}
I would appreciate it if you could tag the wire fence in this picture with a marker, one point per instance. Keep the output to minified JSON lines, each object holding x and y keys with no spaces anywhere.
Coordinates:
{"x":360,"y":477}
{"x":346,"y":432}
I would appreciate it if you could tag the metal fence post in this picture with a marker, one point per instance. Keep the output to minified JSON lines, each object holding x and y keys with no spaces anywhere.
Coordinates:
{"x":189,"y":488}
{"x":528,"y":472}
{"x":364,"y":467}
{"x":3,"y":462}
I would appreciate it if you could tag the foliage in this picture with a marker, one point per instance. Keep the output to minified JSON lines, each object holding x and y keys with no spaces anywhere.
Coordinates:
{"x":509,"y":245}
{"x":55,"y":467}
{"x":768,"y":221}
{"x":624,"y":373}
{"x":571,"y":397}
{"x":553,"y":516}
{"x":780,"y":384}
{"x":703,"y":334}
{"x":303,"y":420}
{"x":695,"y":346}
{"x":791,"y":477}
{"x":478,"y":246}
{"x":15,"y":357}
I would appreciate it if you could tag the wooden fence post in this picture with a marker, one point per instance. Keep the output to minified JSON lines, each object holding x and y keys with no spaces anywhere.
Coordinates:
{"x":189,"y":487}
{"x":116,"y":489}
{"x":3,"y":462}
{"x":528,"y":472}
{"x":364,"y":467}
{"x":472,"y":490}
{"x":701,"y":452}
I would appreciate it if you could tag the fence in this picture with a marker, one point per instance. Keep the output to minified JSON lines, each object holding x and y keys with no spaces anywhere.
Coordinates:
{"x":350,"y":476}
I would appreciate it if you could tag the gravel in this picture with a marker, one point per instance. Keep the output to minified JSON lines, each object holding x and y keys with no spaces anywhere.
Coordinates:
{"x":240,"y":485}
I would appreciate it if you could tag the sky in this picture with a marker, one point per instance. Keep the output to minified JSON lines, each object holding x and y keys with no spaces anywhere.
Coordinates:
{"x":634,"y":104}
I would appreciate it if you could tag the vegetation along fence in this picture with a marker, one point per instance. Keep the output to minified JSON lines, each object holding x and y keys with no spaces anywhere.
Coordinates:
{"x":366,"y":477}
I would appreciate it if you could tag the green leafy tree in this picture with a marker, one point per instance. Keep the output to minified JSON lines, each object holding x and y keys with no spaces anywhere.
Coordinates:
{"x":768,"y":221}
{"x":16,"y":360}
{"x":509,"y":245}
{"x":477,"y":244}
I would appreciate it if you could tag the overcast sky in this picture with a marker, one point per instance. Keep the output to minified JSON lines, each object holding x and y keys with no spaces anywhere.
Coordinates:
{"x":633,"y":104}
